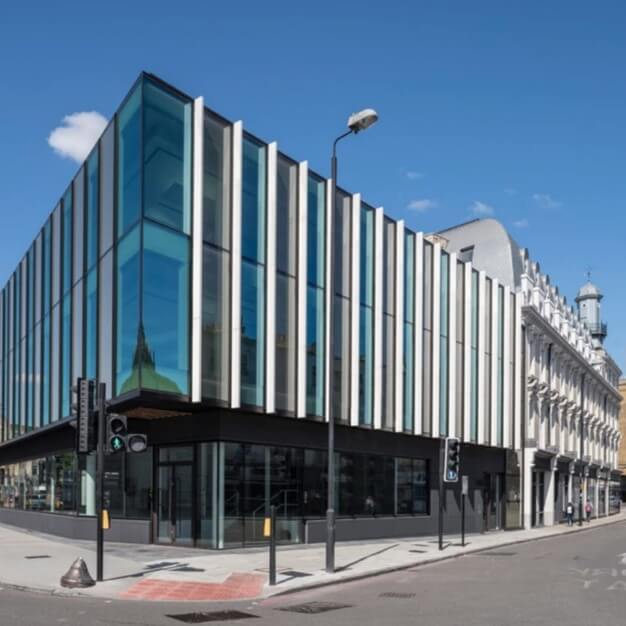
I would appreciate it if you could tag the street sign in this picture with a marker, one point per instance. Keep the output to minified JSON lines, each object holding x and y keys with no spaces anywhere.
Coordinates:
{"x":464,"y":485}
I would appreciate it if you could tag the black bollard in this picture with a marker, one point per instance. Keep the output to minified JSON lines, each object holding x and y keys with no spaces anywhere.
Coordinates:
{"x":77,"y":576}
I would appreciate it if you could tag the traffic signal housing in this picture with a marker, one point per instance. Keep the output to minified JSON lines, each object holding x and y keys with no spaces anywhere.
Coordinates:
{"x":118,"y":439}
{"x":84,"y":408}
{"x":452,"y":460}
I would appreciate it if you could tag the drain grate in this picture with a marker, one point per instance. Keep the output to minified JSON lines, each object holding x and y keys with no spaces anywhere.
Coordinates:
{"x":418,"y":551}
{"x":397,"y":595}
{"x":313,"y":608}
{"x":496,"y":553}
{"x":215,"y":616}
{"x":38,"y":556}
{"x":188,"y":568}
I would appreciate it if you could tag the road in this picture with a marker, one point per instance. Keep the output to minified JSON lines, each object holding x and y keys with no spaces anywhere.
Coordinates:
{"x":577,"y":580}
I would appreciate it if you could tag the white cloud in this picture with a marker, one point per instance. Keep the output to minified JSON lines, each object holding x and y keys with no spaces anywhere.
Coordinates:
{"x":509,"y":191}
{"x":545,"y":201}
{"x":523,"y":223}
{"x":77,"y":135}
{"x":414,"y":175}
{"x":480,"y":208}
{"x":422,"y":205}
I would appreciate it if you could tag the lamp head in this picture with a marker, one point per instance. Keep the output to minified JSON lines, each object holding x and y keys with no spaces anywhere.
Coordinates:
{"x":362,"y":120}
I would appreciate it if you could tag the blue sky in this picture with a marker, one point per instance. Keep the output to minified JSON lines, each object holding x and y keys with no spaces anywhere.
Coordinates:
{"x":510,"y":109}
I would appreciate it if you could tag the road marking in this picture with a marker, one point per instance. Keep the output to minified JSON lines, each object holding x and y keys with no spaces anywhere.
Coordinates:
{"x":588,"y":583}
{"x":617,"y":585}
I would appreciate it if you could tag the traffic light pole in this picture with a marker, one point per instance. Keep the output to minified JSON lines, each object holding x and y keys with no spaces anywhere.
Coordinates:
{"x":100,"y":481}
{"x":442,"y":461}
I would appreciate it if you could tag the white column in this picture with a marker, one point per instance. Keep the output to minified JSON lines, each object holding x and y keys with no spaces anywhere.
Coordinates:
{"x":355,"y":309}
{"x":495,"y":374}
{"x":435,"y":336}
{"x":517,"y":400}
{"x":481,"y":357}
{"x":452,"y":381}
{"x":270,"y":281}
{"x":196,"y":249}
{"x":378,"y":316}
{"x":301,"y":289}
{"x":527,"y":488}
{"x":418,"y":428}
{"x":235,"y":265}
{"x":548,"y":508}
{"x":506,"y":356}
{"x":399,"y":334}
{"x":467,"y":354}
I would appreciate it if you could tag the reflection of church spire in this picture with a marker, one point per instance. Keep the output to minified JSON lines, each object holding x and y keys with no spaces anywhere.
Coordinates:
{"x":142,"y":357}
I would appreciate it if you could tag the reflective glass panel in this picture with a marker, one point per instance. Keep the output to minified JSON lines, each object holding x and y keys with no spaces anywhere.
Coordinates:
{"x":91,"y":324}
{"x":316,"y":224}
{"x":215,"y":323}
{"x":315,"y":366}
{"x":93,"y":190}
{"x":66,"y":360}
{"x":252,"y":335}
{"x":216,"y":188}
{"x":166,"y":157}
{"x":129,"y":162}
{"x":285,"y":343}
{"x":253,"y":202}
{"x":67,"y":241}
{"x":130,"y":335}
{"x":162,"y":349}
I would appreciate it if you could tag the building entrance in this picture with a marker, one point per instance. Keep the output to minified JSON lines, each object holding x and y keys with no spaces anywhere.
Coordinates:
{"x":175,"y":500}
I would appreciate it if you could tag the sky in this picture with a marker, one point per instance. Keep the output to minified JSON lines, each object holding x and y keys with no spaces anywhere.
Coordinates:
{"x":511,"y":110}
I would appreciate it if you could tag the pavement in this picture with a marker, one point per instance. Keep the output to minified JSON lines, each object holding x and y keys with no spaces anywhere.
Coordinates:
{"x":35,"y":562}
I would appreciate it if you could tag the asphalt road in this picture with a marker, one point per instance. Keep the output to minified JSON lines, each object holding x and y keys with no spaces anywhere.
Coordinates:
{"x":573,"y":580}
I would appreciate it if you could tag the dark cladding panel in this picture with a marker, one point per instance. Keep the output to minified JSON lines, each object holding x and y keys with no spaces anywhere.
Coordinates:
{"x":79,"y":225}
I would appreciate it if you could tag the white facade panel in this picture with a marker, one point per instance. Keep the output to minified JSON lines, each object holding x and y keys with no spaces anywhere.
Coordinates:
{"x":355,"y":308}
{"x":270,"y":281}
{"x":435,"y":338}
{"x":197,"y":213}
{"x":378,"y":317}
{"x":399,"y":334}
{"x":301,"y":278}
{"x":467,"y":353}
{"x":418,"y":338}
{"x":452,"y":382}
{"x":481,"y":358}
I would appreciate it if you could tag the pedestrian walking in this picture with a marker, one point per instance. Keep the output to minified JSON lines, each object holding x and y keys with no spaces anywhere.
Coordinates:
{"x":588,"y":511}
{"x":570,"y":514}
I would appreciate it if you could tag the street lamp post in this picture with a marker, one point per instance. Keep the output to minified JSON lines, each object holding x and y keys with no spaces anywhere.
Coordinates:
{"x":356,"y":123}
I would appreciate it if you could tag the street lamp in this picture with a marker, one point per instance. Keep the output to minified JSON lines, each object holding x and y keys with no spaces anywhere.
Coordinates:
{"x":356,"y":123}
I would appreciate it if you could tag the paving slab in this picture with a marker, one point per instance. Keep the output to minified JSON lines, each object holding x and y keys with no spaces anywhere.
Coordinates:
{"x":36,"y":561}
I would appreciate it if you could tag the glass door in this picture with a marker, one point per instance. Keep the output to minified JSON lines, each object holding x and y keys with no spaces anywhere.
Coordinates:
{"x":175,"y":503}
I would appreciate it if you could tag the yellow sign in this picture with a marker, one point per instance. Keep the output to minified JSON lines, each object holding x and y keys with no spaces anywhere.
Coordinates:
{"x":106,"y":520}
{"x":267,"y":527}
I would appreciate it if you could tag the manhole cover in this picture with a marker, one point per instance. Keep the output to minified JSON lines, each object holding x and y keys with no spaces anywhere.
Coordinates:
{"x":215,"y":616}
{"x":496,"y":553}
{"x":38,"y":556}
{"x":396,"y":594}
{"x":312,"y":608}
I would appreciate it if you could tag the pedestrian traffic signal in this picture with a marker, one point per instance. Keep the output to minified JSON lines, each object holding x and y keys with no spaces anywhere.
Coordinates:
{"x":84,"y":408}
{"x":452,"y":461}
{"x":118,"y":438}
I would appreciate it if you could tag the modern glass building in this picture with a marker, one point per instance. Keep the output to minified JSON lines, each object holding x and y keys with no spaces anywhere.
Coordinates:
{"x":186,"y":266}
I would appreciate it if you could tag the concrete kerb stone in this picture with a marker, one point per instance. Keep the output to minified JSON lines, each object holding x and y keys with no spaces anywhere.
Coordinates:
{"x":436,"y":559}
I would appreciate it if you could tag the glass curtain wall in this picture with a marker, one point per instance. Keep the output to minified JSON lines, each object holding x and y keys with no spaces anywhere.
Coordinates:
{"x":474,"y":360}
{"x":409,"y":331}
{"x":488,"y":348}
{"x":154,"y":182}
{"x":315,"y":310}
{"x":460,"y":343}
{"x":216,"y":258}
{"x":366,"y":319}
{"x":444,"y":360}
{"x":500,"y":390}
{"x":286,"y":256}
{"x":342,"y":300}
{"x":389,"y":324}
{"x":253,"y":221}
{"x":427,"y":342}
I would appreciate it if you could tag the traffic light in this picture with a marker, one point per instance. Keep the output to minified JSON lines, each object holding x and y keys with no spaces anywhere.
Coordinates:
{"x":83,"y":406}
{"x":452,"y":460}
{"x":118,"y":439}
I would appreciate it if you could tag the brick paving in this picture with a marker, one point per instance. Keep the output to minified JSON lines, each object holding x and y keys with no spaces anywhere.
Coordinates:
{"x":238,"y":586}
